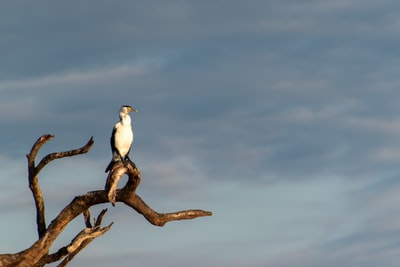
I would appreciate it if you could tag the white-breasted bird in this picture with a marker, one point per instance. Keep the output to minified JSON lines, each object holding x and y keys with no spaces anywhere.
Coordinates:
{"x":121,"y":137}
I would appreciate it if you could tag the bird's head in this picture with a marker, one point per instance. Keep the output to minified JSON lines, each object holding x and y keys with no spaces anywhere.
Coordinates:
{"x":125,"y":109}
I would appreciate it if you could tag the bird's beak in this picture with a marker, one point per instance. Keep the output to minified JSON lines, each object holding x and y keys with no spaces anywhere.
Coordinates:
{"x":133,"y":110}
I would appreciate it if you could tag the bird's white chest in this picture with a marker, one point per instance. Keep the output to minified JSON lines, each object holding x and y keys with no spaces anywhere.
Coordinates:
{"x":123,"y":138}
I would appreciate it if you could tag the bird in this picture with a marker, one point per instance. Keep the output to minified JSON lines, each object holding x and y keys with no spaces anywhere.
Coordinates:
{"x":121,"y":137}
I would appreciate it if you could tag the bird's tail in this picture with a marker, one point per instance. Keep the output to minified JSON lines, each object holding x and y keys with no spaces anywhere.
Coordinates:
{"x":110,"y":165}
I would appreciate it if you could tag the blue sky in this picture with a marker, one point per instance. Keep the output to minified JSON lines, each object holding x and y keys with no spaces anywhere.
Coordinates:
{"x":281,"y":117}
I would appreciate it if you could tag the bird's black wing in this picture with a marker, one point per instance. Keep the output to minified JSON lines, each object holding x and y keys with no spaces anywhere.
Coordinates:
{"x":115,"y":152}
{"x":112,"y":141}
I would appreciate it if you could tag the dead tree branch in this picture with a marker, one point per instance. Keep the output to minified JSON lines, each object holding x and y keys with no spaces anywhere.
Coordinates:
{"x":79,"y":242}
{"x":38,"y":254}
{"x":87,"y":240}
{"x":33,"y":172}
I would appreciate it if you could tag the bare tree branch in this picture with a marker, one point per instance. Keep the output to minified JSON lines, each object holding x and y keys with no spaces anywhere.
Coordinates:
{"x":87,"y":233}
{"x":37,"y":255}
{"x":87,"y":240}
{"x":70,"y":251}
{"x":33,"y":172}
{"x":34,"y":183}
{"x":35,"y":148}
{"x":81,"y":203}
{"x":115,"y":174}
{"x":128,"y":196}
{"x":99,"y":219}
{"x":58,"y":155}
{"x":86,"y":216}
{"x":82,"y":240}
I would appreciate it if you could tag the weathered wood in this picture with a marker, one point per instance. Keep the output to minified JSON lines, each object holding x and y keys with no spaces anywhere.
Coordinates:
{"x":38,"y":254}
{"x":33,"y":172}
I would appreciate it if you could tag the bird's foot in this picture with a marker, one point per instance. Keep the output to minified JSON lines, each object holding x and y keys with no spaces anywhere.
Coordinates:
{"x":125,"y":162}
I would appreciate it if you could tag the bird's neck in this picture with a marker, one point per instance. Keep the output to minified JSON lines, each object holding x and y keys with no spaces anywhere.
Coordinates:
{"x":125,"y":119}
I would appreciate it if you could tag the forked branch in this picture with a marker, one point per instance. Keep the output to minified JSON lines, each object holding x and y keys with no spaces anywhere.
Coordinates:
{"x":33,"y":172}
{"x":77,"y":244}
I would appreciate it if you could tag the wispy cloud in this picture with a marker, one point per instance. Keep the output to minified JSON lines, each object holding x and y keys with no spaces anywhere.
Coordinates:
{"x":82,"y":78}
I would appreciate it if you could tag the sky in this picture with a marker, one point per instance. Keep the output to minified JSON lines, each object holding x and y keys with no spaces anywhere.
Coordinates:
{"x":280,"y":117}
